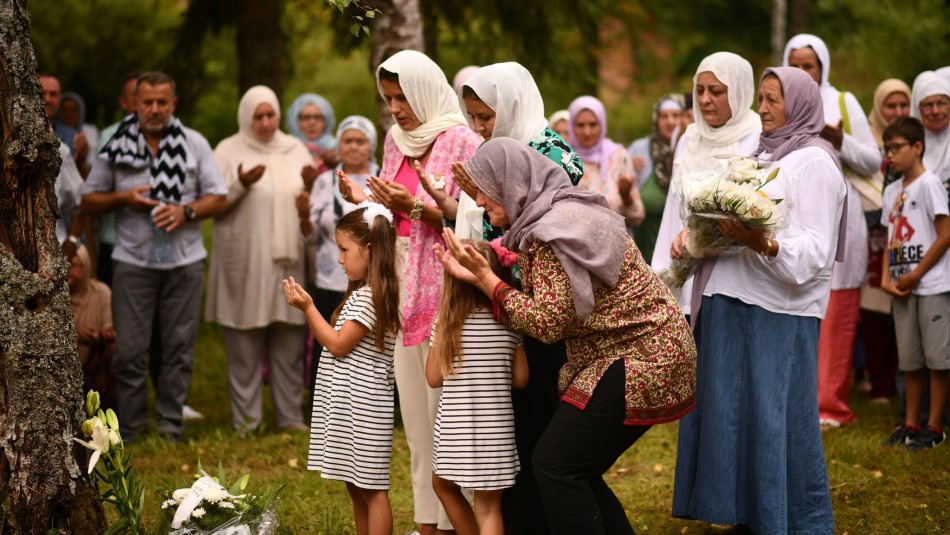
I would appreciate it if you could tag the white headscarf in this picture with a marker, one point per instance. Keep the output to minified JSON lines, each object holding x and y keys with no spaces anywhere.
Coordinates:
{"x":704,"y":142}
{"x":803,"y":40}
{"x":429,"y":95}
{"x":283,"y":157}
{"x":558,"y":116}
{"x":360,"y":124}
{"x":509,"y":90}
{"x":937,"y":144}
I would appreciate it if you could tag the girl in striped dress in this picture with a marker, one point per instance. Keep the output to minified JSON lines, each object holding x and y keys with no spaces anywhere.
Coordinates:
{"x":352,"y":425}
{"x":476,"y":361}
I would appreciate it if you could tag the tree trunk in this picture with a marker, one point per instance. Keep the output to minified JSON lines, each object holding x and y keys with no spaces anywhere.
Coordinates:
{"x":43,"y":481}
{"x":779,"y":16}
{"x":260,"y":45}
{"x":399,"y":27}
{"x":800,"y":14}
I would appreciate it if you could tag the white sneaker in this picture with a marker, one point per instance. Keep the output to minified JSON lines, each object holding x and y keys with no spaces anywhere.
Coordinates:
{"x":187,"y":413}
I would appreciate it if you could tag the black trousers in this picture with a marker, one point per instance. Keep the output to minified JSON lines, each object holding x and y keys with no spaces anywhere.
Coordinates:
{"x":575,"y":451}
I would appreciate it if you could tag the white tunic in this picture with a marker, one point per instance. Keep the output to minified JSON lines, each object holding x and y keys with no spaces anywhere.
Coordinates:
{"x":672,"y":223}
{"x":798,"y":280}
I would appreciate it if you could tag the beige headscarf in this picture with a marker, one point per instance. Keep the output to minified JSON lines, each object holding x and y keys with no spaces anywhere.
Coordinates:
{"x":429,"y":95}
{"x":510,"y":91}
{"x":90,"y":300}
{"x":283,"y":157}
{"x":876,"y":118}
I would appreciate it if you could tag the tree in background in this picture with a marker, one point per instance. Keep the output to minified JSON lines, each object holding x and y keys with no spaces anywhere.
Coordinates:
{"x":42,"y":478}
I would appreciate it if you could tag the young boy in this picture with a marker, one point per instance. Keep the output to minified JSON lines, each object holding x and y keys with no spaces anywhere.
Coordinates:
{"x":917,"y":273}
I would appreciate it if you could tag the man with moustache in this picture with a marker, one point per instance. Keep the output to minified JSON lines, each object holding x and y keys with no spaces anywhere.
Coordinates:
{"x":160,"y":179}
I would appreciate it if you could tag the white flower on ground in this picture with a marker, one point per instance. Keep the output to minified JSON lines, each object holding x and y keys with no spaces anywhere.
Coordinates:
{"x":198,"y":512}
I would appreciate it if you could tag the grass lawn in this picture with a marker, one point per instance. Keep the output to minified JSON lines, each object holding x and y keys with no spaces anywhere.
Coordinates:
{"x":874,"y":489}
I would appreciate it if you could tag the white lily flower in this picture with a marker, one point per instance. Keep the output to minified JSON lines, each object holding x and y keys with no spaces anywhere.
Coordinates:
{"x":99,"y":442}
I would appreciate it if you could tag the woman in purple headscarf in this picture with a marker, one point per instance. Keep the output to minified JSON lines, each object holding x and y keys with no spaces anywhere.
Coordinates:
{"x":630,"y":357}
{"x":608,"y":168}
{"x":751,"y":452}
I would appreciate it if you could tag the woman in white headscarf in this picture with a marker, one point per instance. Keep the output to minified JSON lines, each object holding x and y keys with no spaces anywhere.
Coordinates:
{"x":257,"y":244}
{"x":931,"y":104}
{"x":430,"y":129}
{"x":723,"y":92}
{"x":847,"y":128}
{"x":558,"y":122}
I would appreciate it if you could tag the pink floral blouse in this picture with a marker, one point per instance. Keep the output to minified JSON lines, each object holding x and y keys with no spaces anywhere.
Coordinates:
{"x":423,"y":270}
{"x":637,"y":321}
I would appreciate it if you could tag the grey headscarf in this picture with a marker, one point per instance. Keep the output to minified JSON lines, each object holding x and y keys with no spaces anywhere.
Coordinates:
{"x":587,"y":236}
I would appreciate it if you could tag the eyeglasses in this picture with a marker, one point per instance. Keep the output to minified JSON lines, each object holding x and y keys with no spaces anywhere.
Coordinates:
{"x":894,"y":147}
{"x":935,"y":104}
{"x":302,"y":117}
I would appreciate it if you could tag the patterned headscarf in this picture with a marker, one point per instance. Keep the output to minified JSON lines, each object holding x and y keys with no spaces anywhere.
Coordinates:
{"x":660,"y":151}
{"x":587,"y":236}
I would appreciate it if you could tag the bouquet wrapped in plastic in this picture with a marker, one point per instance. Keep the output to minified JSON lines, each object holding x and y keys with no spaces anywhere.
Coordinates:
{"x":733,"y":190}
{"x":209,"y":508}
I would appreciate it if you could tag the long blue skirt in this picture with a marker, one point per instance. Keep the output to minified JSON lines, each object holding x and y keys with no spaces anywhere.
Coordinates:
{"x":750,"y":453}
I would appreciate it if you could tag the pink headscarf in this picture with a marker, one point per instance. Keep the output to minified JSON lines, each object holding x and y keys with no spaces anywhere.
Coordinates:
{"x":602,"y":150}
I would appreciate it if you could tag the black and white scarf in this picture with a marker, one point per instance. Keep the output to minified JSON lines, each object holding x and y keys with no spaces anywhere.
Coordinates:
{"x":128,"y":147}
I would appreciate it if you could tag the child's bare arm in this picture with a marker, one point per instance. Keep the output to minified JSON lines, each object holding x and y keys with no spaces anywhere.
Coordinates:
{"x":937,"y":249}
{"x":519,"y":369}
{"x":338,"y":343}
{"x":433,"y":369}
{"x":886,"y":283}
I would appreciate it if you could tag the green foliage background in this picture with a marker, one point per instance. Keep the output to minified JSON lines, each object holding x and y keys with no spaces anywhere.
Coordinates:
{"x":90,"y":44}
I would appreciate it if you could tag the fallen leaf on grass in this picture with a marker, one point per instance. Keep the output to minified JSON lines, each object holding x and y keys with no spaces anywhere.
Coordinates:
{"x":621,"y":470}
{"x":185,"y":468}
{"x":658,"y":467}
{"x":684,"y":530}
{"x":878,"y":473}
{"x":292,"y":462}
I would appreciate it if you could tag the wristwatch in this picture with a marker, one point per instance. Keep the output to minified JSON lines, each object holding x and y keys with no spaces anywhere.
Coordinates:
{"x":416,"y":212}
{"x":189,"y":213}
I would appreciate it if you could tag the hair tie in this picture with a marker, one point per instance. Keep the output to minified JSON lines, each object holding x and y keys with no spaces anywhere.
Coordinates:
{"x":372,"y":210}
{"x":506,"y":257}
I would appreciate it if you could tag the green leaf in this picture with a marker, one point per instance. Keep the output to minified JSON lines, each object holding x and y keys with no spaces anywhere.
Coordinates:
{"x":239,"y":485}
{"x":355,"y":30}
{"x":371,"y":14}
{"x":222,"y":480}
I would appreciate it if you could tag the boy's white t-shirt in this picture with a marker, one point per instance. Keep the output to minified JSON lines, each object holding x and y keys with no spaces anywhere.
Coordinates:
{"x":909,"y":215}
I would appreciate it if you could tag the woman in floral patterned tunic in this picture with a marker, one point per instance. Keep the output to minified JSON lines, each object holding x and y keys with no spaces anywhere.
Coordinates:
{"x":631,"y":359}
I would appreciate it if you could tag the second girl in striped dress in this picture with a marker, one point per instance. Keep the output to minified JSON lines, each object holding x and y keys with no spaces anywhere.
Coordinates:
{"x":476,"y":361}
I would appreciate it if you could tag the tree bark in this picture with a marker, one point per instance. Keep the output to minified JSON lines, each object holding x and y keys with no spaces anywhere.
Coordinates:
{"x":399,"y":27}
{"x":260,"y":44}
{"x":779,"y":16}
{"x":43,"y":481}
{"x":800,"y":14}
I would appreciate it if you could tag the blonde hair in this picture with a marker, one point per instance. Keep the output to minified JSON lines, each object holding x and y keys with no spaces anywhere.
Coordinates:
{"x":380,"y":271}
{"x":458,"y":301}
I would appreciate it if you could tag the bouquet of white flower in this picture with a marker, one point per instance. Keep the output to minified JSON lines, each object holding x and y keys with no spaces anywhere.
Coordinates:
{"x":733,"y":190}
{"x":209,"y":508}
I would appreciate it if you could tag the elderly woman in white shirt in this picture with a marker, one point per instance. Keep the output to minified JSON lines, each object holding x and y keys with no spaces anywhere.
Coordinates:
{"x":751,"y":453}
